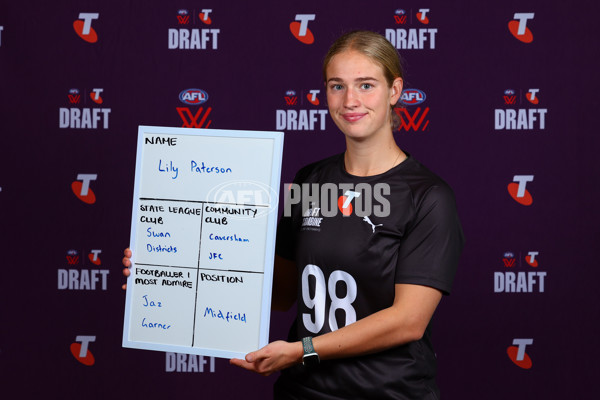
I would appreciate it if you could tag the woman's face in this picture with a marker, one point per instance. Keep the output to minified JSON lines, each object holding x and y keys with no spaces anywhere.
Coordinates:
{"x":359,"y":97}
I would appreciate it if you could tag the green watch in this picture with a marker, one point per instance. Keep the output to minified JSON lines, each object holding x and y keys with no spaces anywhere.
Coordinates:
{"x":310,"y":357}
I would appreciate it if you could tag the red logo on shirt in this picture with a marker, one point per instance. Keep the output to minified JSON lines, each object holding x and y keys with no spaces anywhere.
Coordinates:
{"x":344,"y":210}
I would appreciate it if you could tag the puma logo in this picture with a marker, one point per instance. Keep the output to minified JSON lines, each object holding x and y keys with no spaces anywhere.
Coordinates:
{"x":366,"y":219}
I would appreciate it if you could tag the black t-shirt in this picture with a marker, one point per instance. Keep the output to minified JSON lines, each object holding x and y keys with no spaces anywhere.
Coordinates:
{"x":401,"y":227}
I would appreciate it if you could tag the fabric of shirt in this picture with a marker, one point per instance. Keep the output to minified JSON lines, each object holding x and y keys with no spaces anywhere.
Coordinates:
{"x":353,"y":239}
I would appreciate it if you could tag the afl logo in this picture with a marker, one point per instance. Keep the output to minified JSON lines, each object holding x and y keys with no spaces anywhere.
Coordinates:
{"x":412,"y":97}
{"x":182,"y":12}
{"x":74,"y":91}
{"x":509,"y":92}
{"x":290,"y":93}
{"x":400,"y":12}
{"x":509,"y":254}
{"x":193,"y":96}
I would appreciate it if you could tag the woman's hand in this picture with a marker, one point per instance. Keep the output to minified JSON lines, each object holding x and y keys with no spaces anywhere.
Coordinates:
{"x":271,"y":358}
{"x":127,"y":265}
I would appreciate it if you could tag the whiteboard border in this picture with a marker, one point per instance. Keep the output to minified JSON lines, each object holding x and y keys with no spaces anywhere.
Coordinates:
{"x":265,"y":314}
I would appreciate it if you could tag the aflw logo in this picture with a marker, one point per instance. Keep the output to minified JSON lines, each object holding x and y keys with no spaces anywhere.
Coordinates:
{"x":510,"y":97}
{"x":412,"y":122}
{"x":509,"y":259}
{"x":73,"y":257}
{"x":83,"y":27}
{"x":300,"y":29}
{"x":415,"y":120}
{"x":290,"y":98}
{"x":400,"y":16}
{"x":193,"y":120}
{"x":199,"y":118}
{"x":182,"y":17}
{"x":74,"y":96}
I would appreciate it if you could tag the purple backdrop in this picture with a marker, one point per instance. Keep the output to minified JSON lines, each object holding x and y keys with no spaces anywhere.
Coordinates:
{"x":504,"y":116}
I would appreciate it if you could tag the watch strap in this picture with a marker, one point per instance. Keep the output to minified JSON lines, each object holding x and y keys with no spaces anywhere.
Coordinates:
{"x":310,"y":357}
{"x":307,"y":345}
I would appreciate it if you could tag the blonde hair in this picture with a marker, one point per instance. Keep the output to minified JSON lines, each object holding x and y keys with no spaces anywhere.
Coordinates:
{"x":375,"y":47}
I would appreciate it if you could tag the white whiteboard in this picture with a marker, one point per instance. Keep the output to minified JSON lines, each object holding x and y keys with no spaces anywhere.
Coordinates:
{"x":203,"y":240}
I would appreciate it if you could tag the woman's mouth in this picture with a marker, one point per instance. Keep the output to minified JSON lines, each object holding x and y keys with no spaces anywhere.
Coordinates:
{"x":353,"y":117}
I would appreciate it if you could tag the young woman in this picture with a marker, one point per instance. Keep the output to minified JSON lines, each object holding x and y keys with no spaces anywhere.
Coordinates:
{"x":366,"y":286}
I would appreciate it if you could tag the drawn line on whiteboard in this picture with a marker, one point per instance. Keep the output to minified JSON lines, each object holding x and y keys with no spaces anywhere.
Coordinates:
{"x":167,"y":266}
{"x":231,"y":270}
{"x":197,"y":278}
{"x":207,"y":202}
{"x":201,"y":268}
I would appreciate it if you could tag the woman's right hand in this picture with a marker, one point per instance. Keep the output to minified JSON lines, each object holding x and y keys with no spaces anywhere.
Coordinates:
{"x":126,"y":264}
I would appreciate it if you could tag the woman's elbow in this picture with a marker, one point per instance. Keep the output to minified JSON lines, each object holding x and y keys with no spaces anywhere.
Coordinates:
{"x":413,"y":331}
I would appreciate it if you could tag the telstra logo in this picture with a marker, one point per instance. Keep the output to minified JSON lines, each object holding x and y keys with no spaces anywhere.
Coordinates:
{"x":80,"y":350}
{"x":518,"y":191}
{"x":81,"y":188}
{"x":83,"y":27}
{"x":517,"y":353}
{"x":518,"y":27}
{"x":299,"y":28}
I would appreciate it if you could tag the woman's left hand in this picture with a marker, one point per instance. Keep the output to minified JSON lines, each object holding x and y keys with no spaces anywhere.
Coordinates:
{"x":271,"y":358}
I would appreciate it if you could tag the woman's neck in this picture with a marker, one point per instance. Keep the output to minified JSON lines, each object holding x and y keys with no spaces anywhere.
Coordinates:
{"x":367,"y":158}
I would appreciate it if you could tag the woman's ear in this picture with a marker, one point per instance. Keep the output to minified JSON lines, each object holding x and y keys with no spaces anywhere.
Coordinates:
{"x":396,"y":90}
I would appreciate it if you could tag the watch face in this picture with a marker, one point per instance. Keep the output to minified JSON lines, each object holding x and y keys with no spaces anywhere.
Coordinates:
{"x":310,"y":360}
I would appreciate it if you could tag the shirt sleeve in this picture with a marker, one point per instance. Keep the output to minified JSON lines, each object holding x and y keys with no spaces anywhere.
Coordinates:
{"x":430,"y":250}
